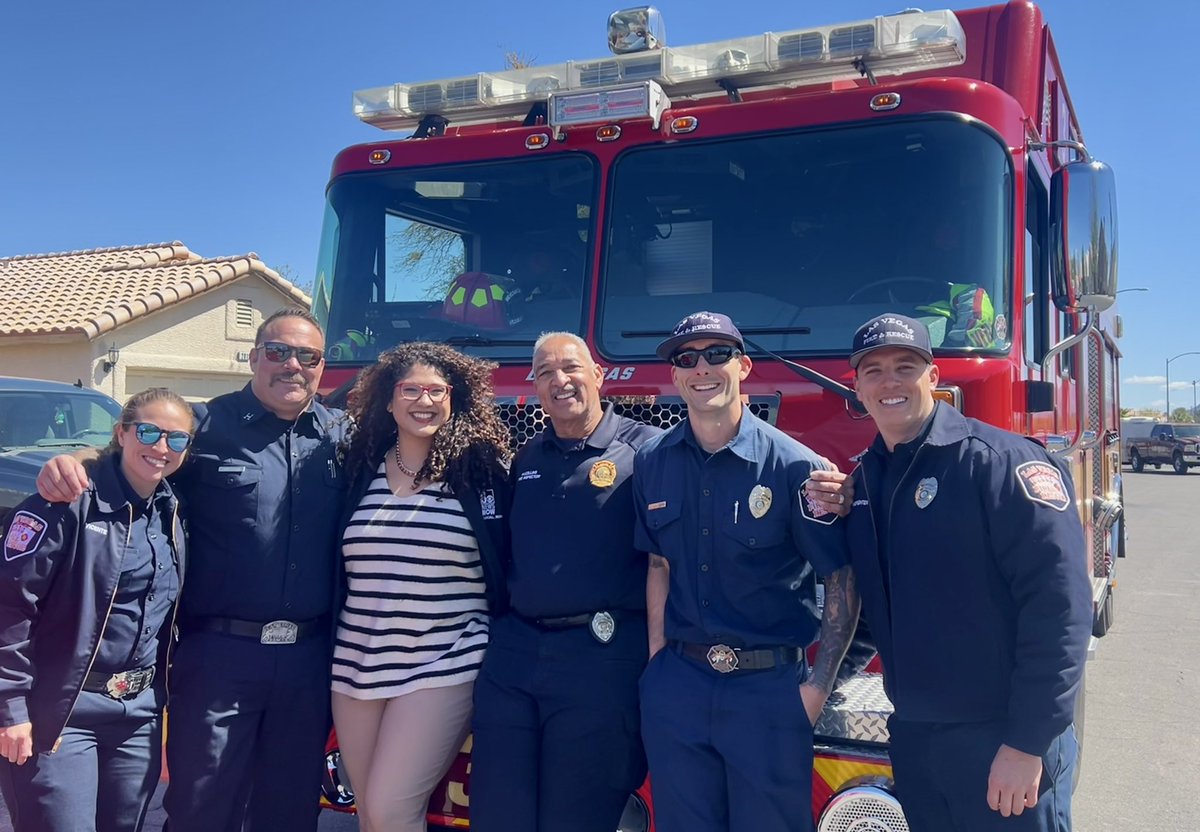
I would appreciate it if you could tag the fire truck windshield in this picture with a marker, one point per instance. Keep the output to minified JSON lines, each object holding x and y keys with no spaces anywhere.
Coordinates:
{"x":801,"y":237}
{"x":486,"y":256}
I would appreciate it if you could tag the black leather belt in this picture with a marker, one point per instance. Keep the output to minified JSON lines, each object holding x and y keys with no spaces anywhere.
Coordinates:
{"x":124,"y":685}
{"x":725,"y":659}
{"x":564,"y":622}
{"x":264,"y":632}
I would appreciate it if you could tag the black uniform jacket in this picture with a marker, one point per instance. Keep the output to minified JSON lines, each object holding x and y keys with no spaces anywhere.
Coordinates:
{"x":986,"y":610}
{"x":487,"y":512}
{"x":58,"y":579}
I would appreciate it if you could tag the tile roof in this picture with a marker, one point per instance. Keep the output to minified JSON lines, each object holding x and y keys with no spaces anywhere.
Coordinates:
{"x":91,"y":292}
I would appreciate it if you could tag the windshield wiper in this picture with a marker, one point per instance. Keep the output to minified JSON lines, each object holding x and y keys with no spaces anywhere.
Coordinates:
{"x":484,"y":341}
{"x":823,"y":381}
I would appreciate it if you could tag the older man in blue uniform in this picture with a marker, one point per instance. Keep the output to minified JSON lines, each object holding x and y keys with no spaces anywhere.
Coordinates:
{"x":249,"y":708}
{"x":728,"y":703}
{"x":556,"y":743}
{"x":970,"y":559}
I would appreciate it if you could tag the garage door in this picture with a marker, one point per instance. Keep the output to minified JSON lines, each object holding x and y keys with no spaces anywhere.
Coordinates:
{"x":195,"y":387}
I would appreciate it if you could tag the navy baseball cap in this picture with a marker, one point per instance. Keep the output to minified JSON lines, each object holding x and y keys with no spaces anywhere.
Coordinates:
{"x":891,"y":330}
{"x":700,"y":325}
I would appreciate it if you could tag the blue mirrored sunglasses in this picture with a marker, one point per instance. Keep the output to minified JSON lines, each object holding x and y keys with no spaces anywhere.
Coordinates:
{"x":148,"y":434}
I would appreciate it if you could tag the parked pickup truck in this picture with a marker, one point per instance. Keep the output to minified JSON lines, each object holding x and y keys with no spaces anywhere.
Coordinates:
{"x":1177,"y":445}
{"x":39,"y":419}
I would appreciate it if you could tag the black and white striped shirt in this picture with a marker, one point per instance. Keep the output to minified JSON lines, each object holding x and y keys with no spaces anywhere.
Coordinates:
{"x":416,"y":614}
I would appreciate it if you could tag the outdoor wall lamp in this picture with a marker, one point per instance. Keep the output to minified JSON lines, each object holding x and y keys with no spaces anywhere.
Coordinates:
{"x":114,"y":355}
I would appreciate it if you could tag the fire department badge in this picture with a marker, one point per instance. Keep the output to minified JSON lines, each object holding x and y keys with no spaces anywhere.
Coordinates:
{"x":812,"y":509}
{"x":926,"y":491}
{"x":760,"y":501}
{"x":603,"y":627}
{"x":603,"y":474}
{"x":25,"y":533}
{"x":1043,"y":483}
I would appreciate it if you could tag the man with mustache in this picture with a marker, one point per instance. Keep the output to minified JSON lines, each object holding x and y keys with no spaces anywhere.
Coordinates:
{"x":249,"y":685}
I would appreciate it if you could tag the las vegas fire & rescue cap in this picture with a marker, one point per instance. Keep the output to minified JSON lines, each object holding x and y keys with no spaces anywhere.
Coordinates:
{"x":700,"y":325}
{"x":890,"y":330}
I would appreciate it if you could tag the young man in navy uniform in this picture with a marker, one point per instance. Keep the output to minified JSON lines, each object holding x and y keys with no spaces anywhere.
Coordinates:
{"x":970,"y":559}
{"x":249,"y":709}
{"x":728,"y":704}
{"x":556,"y":743}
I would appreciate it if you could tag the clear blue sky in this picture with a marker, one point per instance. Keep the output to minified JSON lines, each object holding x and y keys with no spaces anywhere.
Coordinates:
{"x":215,"y":123}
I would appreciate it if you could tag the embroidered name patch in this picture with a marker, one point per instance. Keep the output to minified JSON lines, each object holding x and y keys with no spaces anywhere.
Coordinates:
{"x":812,"y":509}
{"x":529,"y":475}
{"x":24,"y":535}
{"x":1043,"y":483}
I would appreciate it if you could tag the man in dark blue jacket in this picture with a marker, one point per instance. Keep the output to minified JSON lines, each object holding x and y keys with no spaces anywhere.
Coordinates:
{"x":971,"y":563}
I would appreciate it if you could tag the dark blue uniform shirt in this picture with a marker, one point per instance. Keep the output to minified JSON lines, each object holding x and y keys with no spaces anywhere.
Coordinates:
{"x":263,"y":498}
{"x":572,"y":522}
{"x":741,"y":540}
{"x":990,"y":607}
{"x":148,"y":585}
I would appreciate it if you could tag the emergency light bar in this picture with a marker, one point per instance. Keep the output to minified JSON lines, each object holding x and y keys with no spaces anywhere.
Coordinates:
{"x":887,"y":46}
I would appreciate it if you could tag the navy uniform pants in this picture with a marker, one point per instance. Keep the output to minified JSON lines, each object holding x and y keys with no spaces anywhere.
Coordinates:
{"x":727,"y":751}
{"x":941,"y":772}
{"x":101,"y":777}
{"x":246,"y":734}
{"x":556,"y":744}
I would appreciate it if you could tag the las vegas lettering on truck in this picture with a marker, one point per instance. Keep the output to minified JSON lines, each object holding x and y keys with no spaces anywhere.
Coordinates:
{"x":928,"y":164}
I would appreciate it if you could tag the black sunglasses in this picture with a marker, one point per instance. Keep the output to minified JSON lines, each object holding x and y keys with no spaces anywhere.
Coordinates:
{"x":149,"y":433}
{"x":715,"y":355}
{"x":278,"y":352}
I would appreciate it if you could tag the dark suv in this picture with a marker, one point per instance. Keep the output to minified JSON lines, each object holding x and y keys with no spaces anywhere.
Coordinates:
{"x":39,"y":419}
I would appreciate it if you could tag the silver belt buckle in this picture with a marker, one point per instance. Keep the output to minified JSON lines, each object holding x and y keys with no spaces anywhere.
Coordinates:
{"x":128,"y":683}
{"x":279,"y":632}
{"x":722,"y":658}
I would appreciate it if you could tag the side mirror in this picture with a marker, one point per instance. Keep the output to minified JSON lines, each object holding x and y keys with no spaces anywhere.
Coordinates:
{"x":1083,"y":231}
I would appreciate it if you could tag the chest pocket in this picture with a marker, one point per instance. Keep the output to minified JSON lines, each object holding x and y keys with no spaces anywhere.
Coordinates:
{"x":664,"y":527}
{"x":752,"y":532}
{"x":230,"y":491}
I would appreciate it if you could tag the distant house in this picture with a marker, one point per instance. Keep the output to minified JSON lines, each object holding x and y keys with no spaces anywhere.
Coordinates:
{"x":123,"y":319}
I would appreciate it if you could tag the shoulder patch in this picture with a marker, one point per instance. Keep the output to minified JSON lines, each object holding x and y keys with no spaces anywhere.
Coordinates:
{"x":25,"y":533}
{"x":812,"y":509}
{"x":1043,"y":483}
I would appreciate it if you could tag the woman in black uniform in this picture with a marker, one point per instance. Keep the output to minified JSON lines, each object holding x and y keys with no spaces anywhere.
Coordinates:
{"x":87,"y":599}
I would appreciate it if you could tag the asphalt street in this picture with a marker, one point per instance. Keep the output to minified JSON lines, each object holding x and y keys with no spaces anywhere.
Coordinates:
{"x":1143,"y":686}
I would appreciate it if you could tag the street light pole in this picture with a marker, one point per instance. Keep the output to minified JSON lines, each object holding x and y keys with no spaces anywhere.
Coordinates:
{"x":1169,"y":360}
{"x":1194,"y":414}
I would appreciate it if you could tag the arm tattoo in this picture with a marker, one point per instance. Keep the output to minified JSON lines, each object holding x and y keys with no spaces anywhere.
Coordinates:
{"x":658,"y":562}
{"x":837,"y":627}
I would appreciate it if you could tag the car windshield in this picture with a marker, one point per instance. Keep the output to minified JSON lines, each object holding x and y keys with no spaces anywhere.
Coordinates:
{"x":36,"y":419}
{"x":482,"y":256}
{"x":1187,"y":431}
{"x":801,"y":237}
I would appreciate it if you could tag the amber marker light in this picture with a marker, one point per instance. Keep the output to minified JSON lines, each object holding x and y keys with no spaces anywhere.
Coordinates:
{"x":608,"y":133}
{"x":684,"y":124}
{"x":537,"y":141}
{"x":380,"y":157}
{"x":950,"y":395}
{"x":885,"y":101}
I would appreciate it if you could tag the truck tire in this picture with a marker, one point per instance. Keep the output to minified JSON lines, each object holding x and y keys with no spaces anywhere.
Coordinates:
{"x":1135,"y":459}
{"x":1178,"y":464}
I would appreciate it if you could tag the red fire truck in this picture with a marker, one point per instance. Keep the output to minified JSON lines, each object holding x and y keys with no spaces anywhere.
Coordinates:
{"x":801,"y":182}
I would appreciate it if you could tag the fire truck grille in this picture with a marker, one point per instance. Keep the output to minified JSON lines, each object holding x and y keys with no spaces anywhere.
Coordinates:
{"x":863,"y":809}
{"x":527,"y":419}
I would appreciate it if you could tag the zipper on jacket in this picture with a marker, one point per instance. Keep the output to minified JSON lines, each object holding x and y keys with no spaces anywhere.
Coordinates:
{"x":171,"y":637}
{"x":108,"y":613}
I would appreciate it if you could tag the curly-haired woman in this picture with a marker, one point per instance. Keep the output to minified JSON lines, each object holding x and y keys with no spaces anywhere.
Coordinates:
{"x":423,"y":546}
